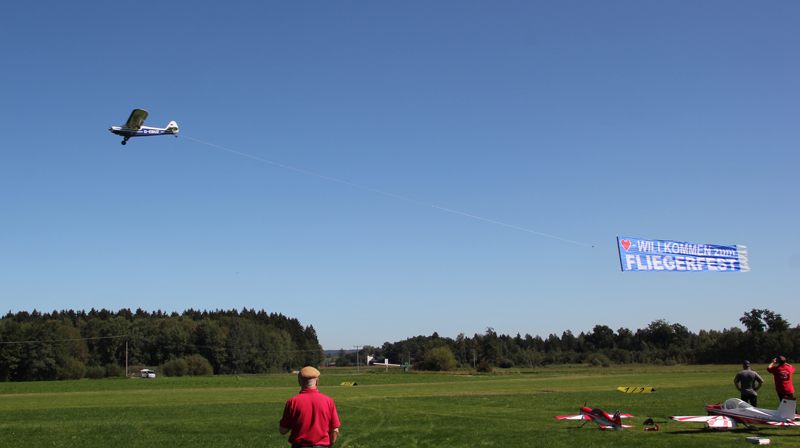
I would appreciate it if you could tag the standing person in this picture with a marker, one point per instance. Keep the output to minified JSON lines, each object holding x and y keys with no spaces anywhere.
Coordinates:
{"x":783,"y":377}
{"x":310,"y":415}
{"x":748,"y":378}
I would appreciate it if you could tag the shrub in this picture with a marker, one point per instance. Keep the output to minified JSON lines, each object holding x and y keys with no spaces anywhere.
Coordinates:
{"x":113,"y":370}
{"x":72,"y":369}
{"x":175,"y":367}
{"x":484,"y":367}
{"x":506,"y":364}
{"x":438,"y":359}
{"x":598,"y":359}
{"x":198,"y":366}
{"x":96,"y":372}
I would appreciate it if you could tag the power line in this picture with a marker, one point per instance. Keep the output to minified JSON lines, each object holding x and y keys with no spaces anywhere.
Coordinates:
{"x":152,"y":341}
{"x":64,"y":340}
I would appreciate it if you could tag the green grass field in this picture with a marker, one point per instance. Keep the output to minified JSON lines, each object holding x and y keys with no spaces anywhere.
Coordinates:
{"x":512,"y":408}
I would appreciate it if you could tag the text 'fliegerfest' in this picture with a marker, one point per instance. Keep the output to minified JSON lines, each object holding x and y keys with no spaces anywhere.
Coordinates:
{"x":637,"y":254}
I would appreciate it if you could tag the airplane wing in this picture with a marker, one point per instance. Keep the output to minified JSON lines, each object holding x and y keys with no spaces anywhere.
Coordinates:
{"x":615,"y":427}
{"x":625,"y":416}
{"x":783,"y":423}
{"x":713,"y":421}
{"x":574,"y":417}
{"x":136,"y":120}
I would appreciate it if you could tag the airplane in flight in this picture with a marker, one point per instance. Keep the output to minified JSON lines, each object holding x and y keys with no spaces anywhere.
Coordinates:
{"x":734,"y":412}
{"x":600,"y":417}
{"x":134,"y":127}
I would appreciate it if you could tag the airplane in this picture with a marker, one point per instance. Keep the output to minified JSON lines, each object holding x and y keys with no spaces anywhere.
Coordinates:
{"x":133,"y":127}
{"x":600,"y":417}
{"x":734,"y":411}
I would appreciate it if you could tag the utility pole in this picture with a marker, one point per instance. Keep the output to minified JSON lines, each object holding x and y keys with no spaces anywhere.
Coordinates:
{"x":357,"y":365}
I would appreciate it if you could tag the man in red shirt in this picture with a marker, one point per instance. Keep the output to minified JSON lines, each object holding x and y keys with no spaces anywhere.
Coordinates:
{"x":783,"y":377}
{"x":310,"y":415}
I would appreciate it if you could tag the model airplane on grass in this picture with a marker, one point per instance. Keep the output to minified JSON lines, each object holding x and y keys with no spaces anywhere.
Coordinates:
{"x":600,"y":417}
{"x":734,"y":412}
{"x":134,"y":127}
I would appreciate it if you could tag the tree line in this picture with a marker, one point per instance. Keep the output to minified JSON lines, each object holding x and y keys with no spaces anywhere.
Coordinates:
{"x":766,"y":335}
{"x":73,"y":344}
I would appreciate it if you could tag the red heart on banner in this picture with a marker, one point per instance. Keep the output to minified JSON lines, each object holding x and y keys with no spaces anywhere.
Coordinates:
{"x":626,"y":244}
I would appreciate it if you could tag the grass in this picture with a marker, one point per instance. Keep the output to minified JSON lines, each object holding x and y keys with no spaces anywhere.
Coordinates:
{"x":512,"y":408}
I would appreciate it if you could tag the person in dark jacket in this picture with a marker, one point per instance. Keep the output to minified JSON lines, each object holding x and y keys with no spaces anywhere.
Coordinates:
{"x":750,"y":382}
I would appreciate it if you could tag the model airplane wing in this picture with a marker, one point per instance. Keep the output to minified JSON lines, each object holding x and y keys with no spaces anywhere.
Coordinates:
{"x":136,"y":120}
{"x":625,"y":416}
{"x":713,"y":421}
{"x":783,"y":423}
{"x":615,"y":427}
{"x":574,"y":417}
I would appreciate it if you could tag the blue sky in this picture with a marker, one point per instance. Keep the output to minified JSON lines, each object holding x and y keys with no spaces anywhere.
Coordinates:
{"x":583,"y":120}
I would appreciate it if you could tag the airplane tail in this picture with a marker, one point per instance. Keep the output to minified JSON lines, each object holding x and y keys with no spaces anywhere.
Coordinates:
{"x":617,"y":419}
{"x":787,"y":408}
{"x":173,"y":127}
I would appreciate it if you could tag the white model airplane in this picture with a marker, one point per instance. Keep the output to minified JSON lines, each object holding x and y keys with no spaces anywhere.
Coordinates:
{"x":735,"y":411}
{"x":133,"y":127}
{"x":600,"y":417}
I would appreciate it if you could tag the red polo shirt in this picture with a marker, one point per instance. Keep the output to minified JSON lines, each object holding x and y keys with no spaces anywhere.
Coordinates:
{"x":783,"y":378}
{"x":310,"y":415}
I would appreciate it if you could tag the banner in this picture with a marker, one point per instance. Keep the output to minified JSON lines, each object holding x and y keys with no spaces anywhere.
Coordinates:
{"x":637,"y":254}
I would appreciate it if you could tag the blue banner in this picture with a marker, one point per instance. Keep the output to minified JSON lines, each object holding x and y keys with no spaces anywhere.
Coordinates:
{"x":638,"y":254}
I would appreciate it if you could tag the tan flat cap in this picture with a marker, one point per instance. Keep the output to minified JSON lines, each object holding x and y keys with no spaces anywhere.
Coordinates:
{"x":307,"y":373}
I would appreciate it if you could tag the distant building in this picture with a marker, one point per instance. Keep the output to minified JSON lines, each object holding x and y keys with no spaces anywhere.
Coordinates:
{"x":372,"y":362}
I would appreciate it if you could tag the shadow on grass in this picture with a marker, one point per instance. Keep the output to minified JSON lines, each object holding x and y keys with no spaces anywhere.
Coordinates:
{"x":716,"y":431}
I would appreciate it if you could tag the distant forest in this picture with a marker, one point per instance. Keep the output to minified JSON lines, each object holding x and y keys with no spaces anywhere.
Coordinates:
{"x":73,"y":344}
{"x":766,"y":336}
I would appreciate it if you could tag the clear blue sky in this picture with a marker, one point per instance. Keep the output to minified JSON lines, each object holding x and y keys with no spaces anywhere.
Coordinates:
{"x":583,"y":120}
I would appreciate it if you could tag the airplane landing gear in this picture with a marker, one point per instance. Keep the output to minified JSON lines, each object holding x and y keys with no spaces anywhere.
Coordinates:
{"x":124,"y":142}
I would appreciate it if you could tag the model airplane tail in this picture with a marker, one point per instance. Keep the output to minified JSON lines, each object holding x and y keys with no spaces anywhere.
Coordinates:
{"x":787,"y":408}
{"x":617,"y":419}
{"x":172,"y":127}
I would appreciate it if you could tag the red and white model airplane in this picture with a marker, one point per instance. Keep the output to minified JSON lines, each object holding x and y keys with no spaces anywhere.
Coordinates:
{"x":735,"y":411}
{"x":600,"y":417}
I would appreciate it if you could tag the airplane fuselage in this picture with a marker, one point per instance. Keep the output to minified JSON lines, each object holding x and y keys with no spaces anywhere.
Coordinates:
{"x":600,"y":416}
{"x":141,"y":132}
{"x":749,"y":416}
